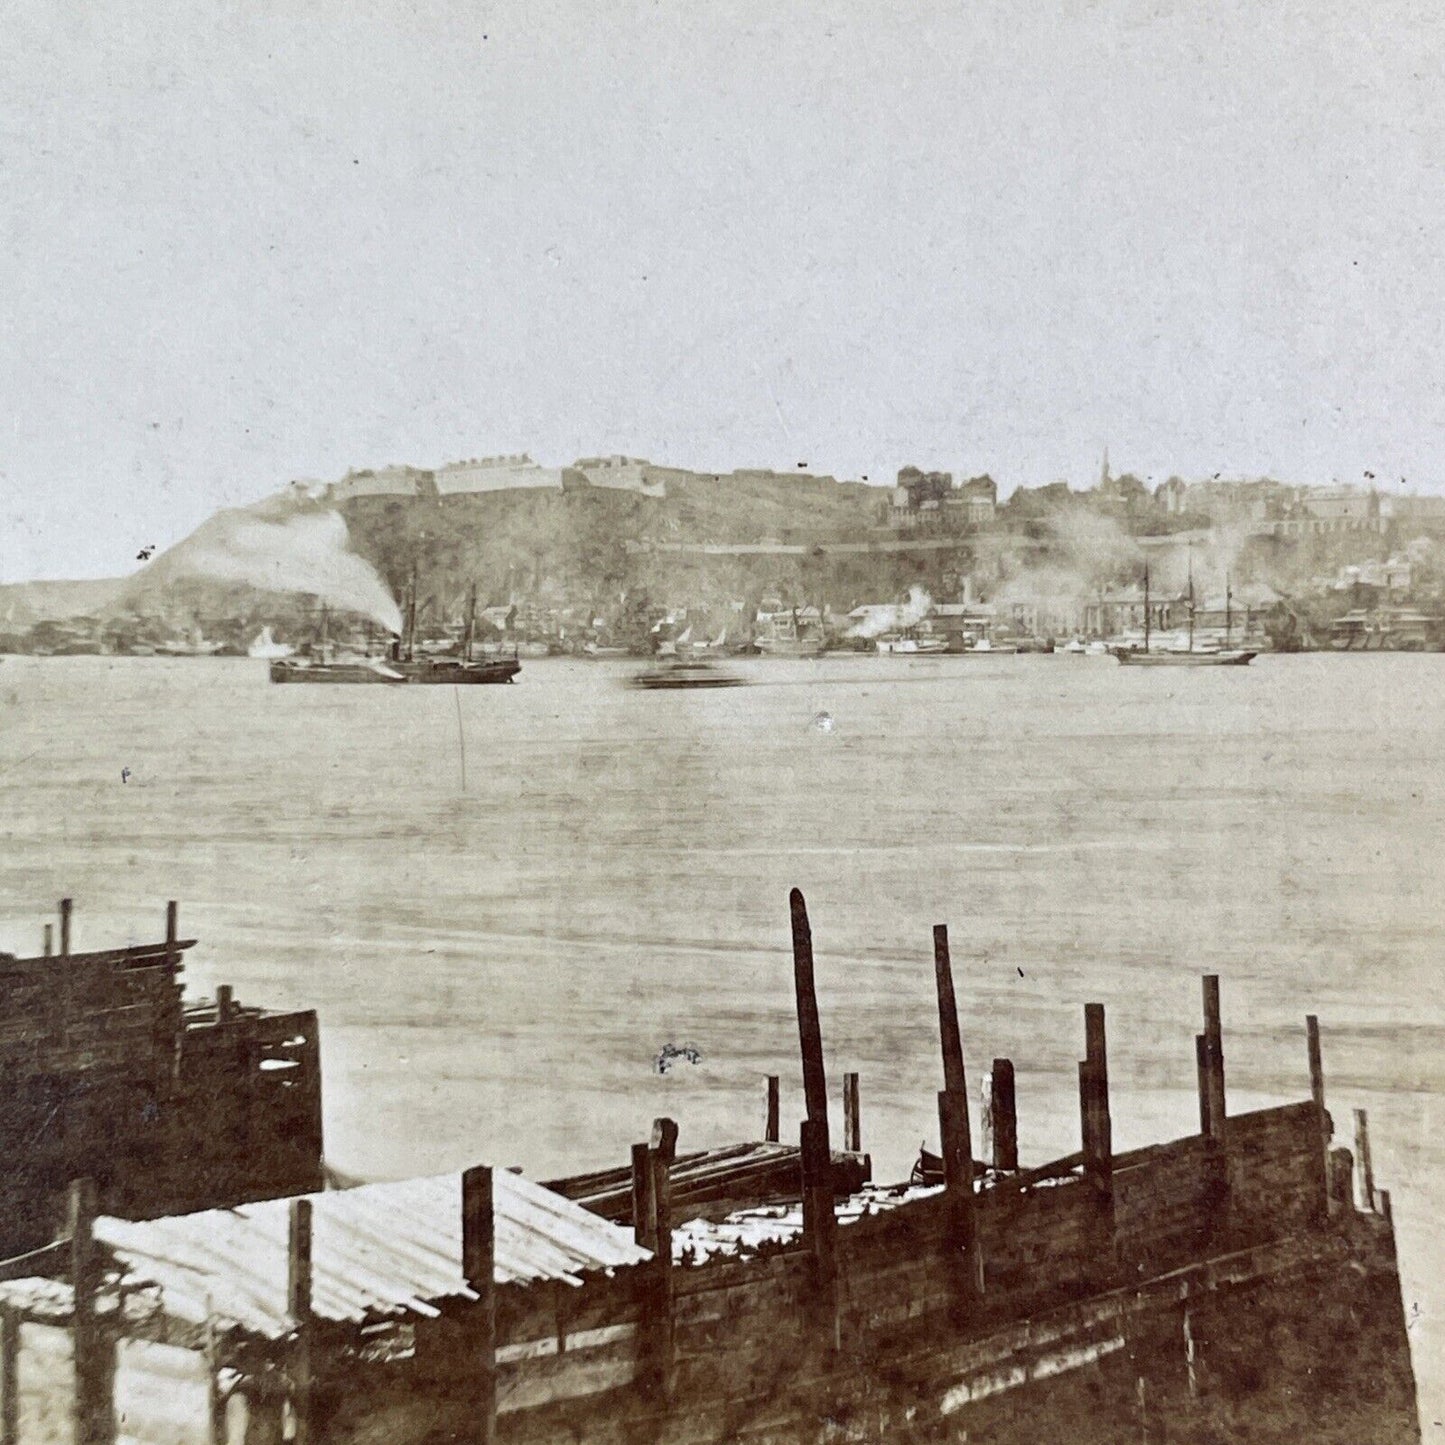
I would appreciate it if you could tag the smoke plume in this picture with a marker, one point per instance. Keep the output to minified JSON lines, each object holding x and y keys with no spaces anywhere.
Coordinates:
{"x":310,"y":553}
{"x":895,"y":617}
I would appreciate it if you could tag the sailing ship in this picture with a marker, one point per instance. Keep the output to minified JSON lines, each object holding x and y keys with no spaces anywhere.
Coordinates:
{"x":790,"y":635}
{"x":1190,"y":656}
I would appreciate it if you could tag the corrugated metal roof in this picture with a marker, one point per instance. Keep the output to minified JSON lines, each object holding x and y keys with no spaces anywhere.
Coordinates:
{"x":376,"y":1249}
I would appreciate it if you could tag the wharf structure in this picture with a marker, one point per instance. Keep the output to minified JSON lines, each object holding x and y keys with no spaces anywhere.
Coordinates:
{"x":108,"y":1073}
{"x":1238,"y":1284}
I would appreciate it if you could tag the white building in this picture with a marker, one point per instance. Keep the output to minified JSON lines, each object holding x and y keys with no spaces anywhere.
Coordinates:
{"x":496,"y":474}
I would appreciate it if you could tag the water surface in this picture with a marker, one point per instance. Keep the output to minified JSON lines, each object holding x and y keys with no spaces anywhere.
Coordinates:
{"x":505,"y":901}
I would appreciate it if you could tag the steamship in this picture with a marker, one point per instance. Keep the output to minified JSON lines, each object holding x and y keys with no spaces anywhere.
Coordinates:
{"x":321,"y":664}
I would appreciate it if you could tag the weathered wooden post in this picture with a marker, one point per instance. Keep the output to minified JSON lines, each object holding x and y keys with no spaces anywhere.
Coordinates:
{"x":852,"y":1125}
{"x":954,"y":1126}
{"x":662,"y":1151}
{"x":772,"y":1132}
{"x":9,"y":1375}
{"x":1201,"y":1066}
{"x":1098,"y":1128}
{"x":225,"y":1003}
{"x":479,"y":1253}
{"x":644,"y":1216}
{"x":1214,"y":1056}
{"x":49,"y":937}
{"x":93,"y":1346}
{"x":66,"y":905}
{"x":298,"y":1307}
{"x":216,"y":1424}
{"x":1362,"y":1161}
{"x":1317,"y":1094}
{"x":1003,"y":1110}
{"x":819,"y":1222}
{"x":1342,"y":1178}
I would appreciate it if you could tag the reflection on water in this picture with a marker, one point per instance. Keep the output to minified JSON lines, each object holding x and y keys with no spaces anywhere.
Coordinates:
{"x":497,"y":969}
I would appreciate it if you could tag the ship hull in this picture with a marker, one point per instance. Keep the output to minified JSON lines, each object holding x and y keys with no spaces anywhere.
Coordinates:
{"x":1184,"y":659}
{"x":459,"y":674}
{"x":333,"y":672}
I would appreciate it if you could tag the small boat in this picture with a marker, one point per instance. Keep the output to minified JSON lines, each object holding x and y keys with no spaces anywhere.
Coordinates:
{"x":679,"y":672}
{"x":985,"y":647}
{"x":911,"y":646}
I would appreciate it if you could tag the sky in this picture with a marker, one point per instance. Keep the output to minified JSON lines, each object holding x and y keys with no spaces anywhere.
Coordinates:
{"x":249,"y":243}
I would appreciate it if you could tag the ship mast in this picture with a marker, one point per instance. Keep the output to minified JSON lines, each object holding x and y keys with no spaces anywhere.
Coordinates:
{"x":470,"y":633}
{"x":1191,"y":601}
{"x":411,"y":617}
{"x":1146,"y":607}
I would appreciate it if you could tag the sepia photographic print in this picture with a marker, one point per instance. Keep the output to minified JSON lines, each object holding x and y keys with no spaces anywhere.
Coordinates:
{"x":722,"y":722}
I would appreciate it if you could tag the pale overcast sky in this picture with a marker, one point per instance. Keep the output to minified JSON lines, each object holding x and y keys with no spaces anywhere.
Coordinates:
{"x":249,"y":242}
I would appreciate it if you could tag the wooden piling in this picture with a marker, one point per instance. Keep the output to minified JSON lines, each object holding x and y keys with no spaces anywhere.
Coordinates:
{"x":954,"y":1128}
{"x":225,"y":1003}
{"x":1003,"y":1110}
{"x":644,"y":1226}
{"x":49,"y":939}
{"x":1342,"y":1177}
{"x":1362,"y":1161}
{"x":298,"y":1307}
{"x":950,"y":1039}
{"x":1214,"y":1053}
{"x":173,"y":912}
{"x":819,"y":1224}
{"x":479,"y":1255}
{"x":772,"y":1132}
{"x":9,"y":1375}
{"x":66,"y":905}
{"x":1317,"y":1095}
{"x":1096,"y":1052}
{"x":662,"y":1151}
{"x":1201,"y":1067}
{"x":216,"y":1430}
{"x":93,"y":1347}
{"x":852,"y":1125}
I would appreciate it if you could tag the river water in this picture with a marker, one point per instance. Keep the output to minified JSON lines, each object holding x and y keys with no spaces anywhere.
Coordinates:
{"x":505,"y":902}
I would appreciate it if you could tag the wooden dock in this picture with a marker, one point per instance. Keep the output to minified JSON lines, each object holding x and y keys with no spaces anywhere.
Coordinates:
{"x":1239,"y":1283}
{"x":108,"y":1073}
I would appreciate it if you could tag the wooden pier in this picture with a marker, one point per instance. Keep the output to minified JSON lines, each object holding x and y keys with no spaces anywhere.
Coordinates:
{"x":107,"y":1073}
{"x":1239,"y":1283}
